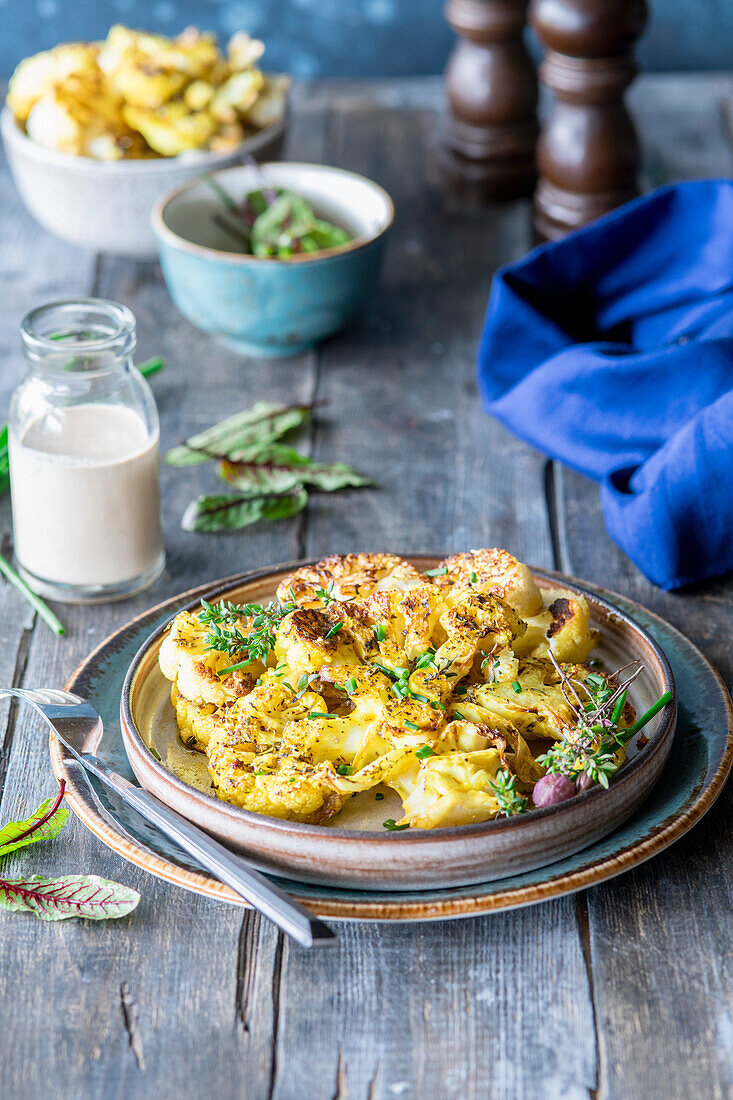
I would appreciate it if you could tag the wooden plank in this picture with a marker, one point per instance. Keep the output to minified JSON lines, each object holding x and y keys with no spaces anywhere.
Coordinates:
{"x":180,"y":997}
{"x":658,"y":937}
{"x":431,"y":1010}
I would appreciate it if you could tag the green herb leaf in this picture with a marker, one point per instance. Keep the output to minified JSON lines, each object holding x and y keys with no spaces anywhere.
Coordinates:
{"x":380,"y":632}
{"x":345,"y":769}
{"x":44,"y":824}
{"x":33,"y":599}
{"x":505,"y":791}
{"x":240,"y":438}
{"x":412,"y":725}
{"x":232,"y":512}
{"x":379,"y":797}
{"x":52,"y":899}
{"x":391,"y":825}
{"x":436,"y":572}
{"x":289,"y":226}
{"x":423,"y":752}
{"x":321,"y":714}
{"x":517,"y":687}
{"x":151,"y":366}
{"x":351,"y":685}
{"x":278,"y":468}
{"x":474,"y":577}
{"x":618,"y":708}
{"x":648,"y":715}
{"x":334,"y":630}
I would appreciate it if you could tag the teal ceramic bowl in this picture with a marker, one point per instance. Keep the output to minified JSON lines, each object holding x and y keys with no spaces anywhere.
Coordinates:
{"x":268,"y":307}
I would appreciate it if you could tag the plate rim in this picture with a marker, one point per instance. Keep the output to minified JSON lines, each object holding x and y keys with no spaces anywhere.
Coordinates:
{"x":384,"y":909}
{"x":417,"y":837}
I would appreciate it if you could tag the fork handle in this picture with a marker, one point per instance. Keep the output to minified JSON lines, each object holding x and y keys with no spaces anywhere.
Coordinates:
{"x":254,"y":887}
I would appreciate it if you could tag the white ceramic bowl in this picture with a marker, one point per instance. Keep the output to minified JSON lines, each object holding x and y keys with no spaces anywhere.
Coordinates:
{"x":105,"y":205}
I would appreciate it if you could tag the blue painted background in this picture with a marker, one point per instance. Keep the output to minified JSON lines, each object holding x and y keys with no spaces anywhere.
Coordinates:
{"x":342,"y":37}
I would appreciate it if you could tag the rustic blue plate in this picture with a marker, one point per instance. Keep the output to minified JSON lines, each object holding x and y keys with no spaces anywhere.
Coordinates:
{"x":693,"y":777}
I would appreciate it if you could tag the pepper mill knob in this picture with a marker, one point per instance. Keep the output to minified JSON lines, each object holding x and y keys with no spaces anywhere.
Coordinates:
{"x":588,"y":152}
{"x":487,"y":147}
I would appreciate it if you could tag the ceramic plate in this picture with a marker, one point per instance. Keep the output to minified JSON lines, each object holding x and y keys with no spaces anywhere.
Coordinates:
{"x":354,"y":850}
{"x":693,"y":777}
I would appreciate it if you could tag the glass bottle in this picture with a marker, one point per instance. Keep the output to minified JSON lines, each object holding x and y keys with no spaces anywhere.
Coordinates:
{"x":83,"y":439}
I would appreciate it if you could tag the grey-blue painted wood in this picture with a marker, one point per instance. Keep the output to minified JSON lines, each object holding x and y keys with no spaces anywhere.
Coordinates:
{"x":623,"y":992}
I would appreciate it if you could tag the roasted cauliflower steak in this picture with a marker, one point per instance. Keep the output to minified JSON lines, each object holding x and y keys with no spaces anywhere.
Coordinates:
{"x":369,"y":672}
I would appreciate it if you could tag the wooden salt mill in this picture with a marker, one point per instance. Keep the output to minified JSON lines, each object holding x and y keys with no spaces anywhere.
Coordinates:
{"x":588,"y":152}
{"x":487,"y":148}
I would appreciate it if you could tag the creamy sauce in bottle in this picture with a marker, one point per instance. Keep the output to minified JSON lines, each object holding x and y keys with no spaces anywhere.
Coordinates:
{"x":86,"y":496}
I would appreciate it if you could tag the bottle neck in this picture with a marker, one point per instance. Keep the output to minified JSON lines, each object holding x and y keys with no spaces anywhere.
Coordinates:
{"x":87,"y":338}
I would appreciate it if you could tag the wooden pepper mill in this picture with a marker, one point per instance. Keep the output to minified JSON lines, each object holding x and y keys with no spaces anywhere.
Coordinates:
{"x":588,"y":152}
{"x":488,"y":144}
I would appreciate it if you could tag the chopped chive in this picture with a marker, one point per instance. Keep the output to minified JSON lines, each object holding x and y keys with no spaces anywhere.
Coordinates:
{"x":420,"y":698}
{"x":474,"y":577}
{"x":35,"y":601}
{"x":649,"y":714}
{"x":345,"y":769}
{"x":436,"y":572}
{"x":618,"y":708}
{"x":423,"y":752}
{"x":379,"y":796}
{"x":233,"y":668}
{"x":259,"y":773}
{"x":460,"y":689}
{"x":596,"y":680}
{"x":151,"y":366}
{"x":302,"y":682}
{"x":334,"y":630}
{"x":517,"y":687}
{"x":412,"y":725}
{"x":154,"y":752}
{"x":321,"y":714}
{"x":351,"y":685}
{"x":380,"y":632}
{"x":460,"y":717}
{"x":391,"y":825}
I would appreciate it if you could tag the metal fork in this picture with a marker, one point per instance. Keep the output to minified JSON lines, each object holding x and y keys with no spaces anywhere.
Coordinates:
{"x":79,"y":728}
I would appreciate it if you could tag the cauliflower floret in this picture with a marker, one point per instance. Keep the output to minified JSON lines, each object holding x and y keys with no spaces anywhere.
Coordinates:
{"x":196,"y":721}
{"x":306,"y":641}
{"x":453,"y":790}
{"x":492,"y":571}
{"x":39,"y":75}
{"x":194,"y":669}
{"x":348,"y":576}
{"x":562,"y":628}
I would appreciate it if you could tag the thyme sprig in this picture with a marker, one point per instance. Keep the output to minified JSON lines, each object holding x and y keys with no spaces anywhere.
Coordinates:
{"x":224,"y":635}
{"x":504,"y":786}
{"x":592,"y":747}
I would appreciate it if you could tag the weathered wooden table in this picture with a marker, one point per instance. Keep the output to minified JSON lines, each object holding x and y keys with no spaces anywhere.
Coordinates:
{"x":624,"y":991}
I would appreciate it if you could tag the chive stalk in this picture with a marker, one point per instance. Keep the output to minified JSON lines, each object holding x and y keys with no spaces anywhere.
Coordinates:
{"x":34,"y":600}
{"x":649,"y":714}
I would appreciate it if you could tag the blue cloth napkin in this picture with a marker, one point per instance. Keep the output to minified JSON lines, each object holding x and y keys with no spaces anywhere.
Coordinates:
{"x":612,"y":350}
